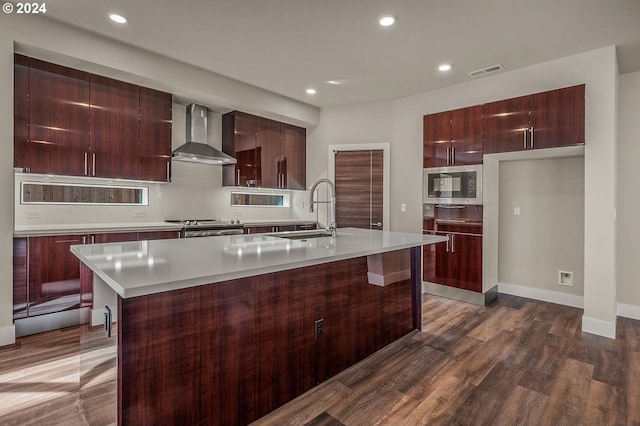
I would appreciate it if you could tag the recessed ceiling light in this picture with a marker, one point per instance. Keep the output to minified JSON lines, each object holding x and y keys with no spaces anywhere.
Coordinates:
{"x":311,"y":91}
{"x":334,"y":82}
{"x":387,"y":20}
{"x":118,"y":18}
{"x":444,"y":67}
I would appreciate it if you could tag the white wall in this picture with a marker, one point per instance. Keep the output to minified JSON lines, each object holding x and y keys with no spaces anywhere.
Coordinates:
{"x":596,"y":68}
{"x":628,"y":231}
{"x":548,"y":234}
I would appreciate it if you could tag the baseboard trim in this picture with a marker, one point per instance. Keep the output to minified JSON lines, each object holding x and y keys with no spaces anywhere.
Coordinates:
{"x":480,"y":299}
{"x":599,"y":327}
{"x":629,"y":311}
{"x":7,"y":335}
{"x":541,"y":294}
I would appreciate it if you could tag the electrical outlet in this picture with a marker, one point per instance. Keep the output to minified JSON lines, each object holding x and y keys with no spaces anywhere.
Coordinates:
{"x":516,"y":211}
{"x":403,"y":208}
{"x":319,"y":327}
{"x":138,"y":213}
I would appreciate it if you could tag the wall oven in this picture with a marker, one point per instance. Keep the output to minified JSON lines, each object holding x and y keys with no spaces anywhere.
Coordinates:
{"x":452,"y":185}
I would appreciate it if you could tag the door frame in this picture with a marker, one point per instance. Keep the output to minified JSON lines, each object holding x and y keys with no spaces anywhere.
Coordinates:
{"x":386,"y":176}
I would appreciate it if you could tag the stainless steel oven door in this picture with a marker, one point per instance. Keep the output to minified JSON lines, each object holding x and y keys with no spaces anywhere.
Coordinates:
{"x":452,"y":185}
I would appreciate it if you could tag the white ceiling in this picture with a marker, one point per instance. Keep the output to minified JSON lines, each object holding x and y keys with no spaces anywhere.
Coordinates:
{"x":286,"y":46}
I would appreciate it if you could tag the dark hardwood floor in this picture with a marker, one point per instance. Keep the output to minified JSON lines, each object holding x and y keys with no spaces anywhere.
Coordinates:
{"x":517,"y":361}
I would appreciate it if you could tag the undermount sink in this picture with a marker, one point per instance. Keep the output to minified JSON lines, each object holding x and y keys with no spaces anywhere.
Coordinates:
{"x":302,"y":235}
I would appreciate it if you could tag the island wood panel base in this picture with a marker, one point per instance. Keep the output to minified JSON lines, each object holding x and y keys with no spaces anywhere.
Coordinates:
{"x":228,"y":353}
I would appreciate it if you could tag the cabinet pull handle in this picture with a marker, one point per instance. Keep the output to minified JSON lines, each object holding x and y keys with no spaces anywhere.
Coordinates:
{"x":238,"y":177}
{"x":86,"y":165}
{"x":93,"y":163}
{"x":379,"y":224}
{"x":168,"y":173}
{"x":453,"y":243}
{"x":451,"y":206}
{"x":531,"y":130}
{"x":524,"y":134}
{"x":70,"y":241}
{"x":448,"y":238}
{"x":448,"y":156}
{"x":453,"y":155}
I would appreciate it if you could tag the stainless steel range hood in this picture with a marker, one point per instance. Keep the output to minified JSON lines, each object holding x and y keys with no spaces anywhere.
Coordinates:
{"x":196,"y":150}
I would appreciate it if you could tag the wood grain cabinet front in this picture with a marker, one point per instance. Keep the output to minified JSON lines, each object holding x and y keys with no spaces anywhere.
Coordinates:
{"x":453,"y":138}
{"x":543,"y":120}
{"x":270,"y":154}
{"x":47,"y":277}
{"x":69,"y":122}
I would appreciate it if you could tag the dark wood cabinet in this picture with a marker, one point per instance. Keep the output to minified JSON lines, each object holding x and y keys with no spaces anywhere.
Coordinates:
{"x":69,"y":122}
{"x":114,"y":128}
{"x":155,"y":135}
{"x":53,"y":274}
{"x":20,"y":282}
{"x":239,"y":141}
{"x":52,"y":133}
{"x":453,"y":138}
{"x":293,"y":157}
{"x":270,"y":154}
{"x":543,"y":120}
{"x":47,"y":276}
{"x":456,"y":262}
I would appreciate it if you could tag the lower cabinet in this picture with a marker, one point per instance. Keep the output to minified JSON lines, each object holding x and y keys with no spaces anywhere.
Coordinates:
{"x":46,"y":276}
{"x":456,"y":262}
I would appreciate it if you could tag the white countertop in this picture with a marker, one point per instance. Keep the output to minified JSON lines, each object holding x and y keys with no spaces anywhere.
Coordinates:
{"x":88,"y":228}
{"x":147,"y":267}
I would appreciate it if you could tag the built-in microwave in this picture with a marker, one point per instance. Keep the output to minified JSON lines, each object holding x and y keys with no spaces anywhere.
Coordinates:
{"x":452,"y":185}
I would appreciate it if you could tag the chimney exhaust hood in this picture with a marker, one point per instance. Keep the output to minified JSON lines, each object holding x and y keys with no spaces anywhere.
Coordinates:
{"x":196,"y":150}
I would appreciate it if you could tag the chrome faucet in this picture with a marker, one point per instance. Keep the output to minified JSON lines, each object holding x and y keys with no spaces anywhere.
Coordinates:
{"x":332,"y":226}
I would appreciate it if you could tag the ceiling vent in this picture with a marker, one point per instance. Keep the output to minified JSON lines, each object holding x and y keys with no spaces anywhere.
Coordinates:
{"x":484,"y":71}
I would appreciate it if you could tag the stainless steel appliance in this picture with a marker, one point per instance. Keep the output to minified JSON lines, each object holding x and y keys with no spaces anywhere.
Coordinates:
{"x":452,"y":185}
{"x":209,"y":227}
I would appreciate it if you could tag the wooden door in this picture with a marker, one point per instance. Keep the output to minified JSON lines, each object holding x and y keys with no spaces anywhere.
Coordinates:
{"x":436,"y":139}
{"x":155,"y":135}
{"x":58,"y":119}
{"x":557,"y":118}
{"x":54,"y":274}
{"x":466,"y":136}
{"x":359,"y":189}
{"x":293,"y":167}
{"x":114,"y":128}
{"x":268,"y":153}
{"x":506,"y":125}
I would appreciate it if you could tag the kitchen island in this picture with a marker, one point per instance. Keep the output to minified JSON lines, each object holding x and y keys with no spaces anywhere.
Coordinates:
{"x":222,"y":330}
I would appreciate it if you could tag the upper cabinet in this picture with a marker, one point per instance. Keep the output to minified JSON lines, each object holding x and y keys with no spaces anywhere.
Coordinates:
{"x":69,"y":122}
{"x":453,"y":138}
{"x":543,"y":120}
{"x":52,"y":118}
{"x":270,"y":154}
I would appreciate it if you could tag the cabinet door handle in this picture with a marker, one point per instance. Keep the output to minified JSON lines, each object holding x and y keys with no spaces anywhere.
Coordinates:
{"x":448,"y":155}
{"x":453,"y":243}
{"x":93,"y":164}
{"x":524,"y":134}
{"x":168,"y":172}
{"x":379,"y":224}
{"x":70,"y":241}
{"x":238,"y":177}
{"x":531,"y":130}
{"x":86,"y":165}
{"x":448,"y":238}
{"x":453,"y":155}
